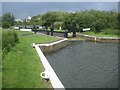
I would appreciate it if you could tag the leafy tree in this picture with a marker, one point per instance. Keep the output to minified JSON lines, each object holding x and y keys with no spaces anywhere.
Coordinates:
{"x":36,"y":20}
{"x":70,"y":23}
{"x":8,"y":20}
{"x":19,"y":23}
{"x":58,"y":24}
{"x":49,"y":19}
{"x":98,"y":26}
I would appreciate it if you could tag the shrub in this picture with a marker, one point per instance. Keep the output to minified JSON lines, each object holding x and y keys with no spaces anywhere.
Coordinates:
{"x":110,"y":31}
{"x":9,"y":39}
{"x":98,"y":26}
{"x":5,"y":25}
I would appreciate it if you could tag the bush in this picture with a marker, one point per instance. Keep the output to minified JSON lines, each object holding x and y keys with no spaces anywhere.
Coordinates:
{"x":98,"y":26}
{"x":5,"y":25}
{"x":110,"y":32}
{"x":9,"y":39}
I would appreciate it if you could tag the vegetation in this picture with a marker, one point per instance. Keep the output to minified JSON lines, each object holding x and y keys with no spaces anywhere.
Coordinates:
{"x":8,"y":20}
{"x":106,"y":33}
{"x":97,"y":20}
{"x":94,"y":19}
{"x":36,"y":20}
{"x":22,"y":66}
{"x":21,"y":62}
{"x":48,"y":19}
{"x":9,"y":39}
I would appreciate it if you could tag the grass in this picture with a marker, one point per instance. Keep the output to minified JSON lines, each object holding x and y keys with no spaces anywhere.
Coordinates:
{"x":102,"y":34}
{"x":22,"y":66}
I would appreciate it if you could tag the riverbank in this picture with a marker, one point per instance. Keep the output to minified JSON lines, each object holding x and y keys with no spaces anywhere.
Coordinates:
{"x":21,"y":66}
{"x":56,"y":83}
{"x":99,"y":39}
{"x":95,"y":37}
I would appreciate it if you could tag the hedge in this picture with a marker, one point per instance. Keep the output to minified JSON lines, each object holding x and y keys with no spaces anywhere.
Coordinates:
{"x":9,"y":39}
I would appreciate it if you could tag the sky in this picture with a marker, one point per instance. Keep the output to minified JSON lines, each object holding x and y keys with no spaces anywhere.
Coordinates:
{"x":60,"y":0}
{"x":24,"y":9}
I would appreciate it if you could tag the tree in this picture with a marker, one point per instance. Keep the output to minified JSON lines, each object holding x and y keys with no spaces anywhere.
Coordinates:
{"x":57,"y":25}
{"x":36,"y":20}
{"x":49,"y":19}
{"x":8,"y":20}
{"x":70,"y":23}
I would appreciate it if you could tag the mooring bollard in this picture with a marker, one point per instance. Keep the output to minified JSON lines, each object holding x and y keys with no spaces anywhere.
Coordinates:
{"x":95,"y":38}
{"x":33,"y":45}
{"x":45,"y":75}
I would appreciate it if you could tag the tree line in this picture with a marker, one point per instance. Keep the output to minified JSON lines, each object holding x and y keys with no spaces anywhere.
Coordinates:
{"x":97,"y":20}
{"x":76,"y":21}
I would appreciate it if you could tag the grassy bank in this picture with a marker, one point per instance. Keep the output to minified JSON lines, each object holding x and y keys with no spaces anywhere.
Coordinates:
{"x":105,"y":33}
{"x":22,"y":66}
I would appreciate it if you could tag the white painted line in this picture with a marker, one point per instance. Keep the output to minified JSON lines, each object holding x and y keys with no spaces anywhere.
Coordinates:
{"x":56,"y":83}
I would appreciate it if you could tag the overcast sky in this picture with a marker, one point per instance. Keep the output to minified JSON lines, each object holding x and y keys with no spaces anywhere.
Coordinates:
{"x":25,"y":9}
{"x":60,"y":0}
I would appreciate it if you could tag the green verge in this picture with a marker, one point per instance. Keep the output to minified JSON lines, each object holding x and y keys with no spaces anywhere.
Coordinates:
{"x":22,"y":66}
{"x":105,"y":33}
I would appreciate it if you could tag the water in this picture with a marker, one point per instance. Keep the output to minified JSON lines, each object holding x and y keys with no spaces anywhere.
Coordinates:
{"x":85,"y":64}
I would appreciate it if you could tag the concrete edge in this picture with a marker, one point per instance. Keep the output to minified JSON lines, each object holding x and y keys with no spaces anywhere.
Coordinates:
{"x":56,"y":83}
{"x":100,"y":37}
{"x":53,"y":42}
{"x":51,"y":36}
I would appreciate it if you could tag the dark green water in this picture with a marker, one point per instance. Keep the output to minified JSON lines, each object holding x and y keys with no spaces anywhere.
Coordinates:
{"x":85,"y":64}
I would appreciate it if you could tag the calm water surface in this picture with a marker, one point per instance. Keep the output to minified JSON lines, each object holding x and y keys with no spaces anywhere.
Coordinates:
{"x":85,"y":64}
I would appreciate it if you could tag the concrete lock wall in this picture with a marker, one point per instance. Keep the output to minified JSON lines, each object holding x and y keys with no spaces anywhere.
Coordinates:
{"x":60,"y":34}
{"x":47,"y":48}
{"x":25,"y":29}
{"x":105,"y":39}
{"x":55,"y":33}
{"x":100,"y":39}
{"x":40,"y":48}
{"x":54,"y":79}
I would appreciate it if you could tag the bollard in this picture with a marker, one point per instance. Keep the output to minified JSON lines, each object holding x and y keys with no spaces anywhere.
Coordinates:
{"x":45,"y":75}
